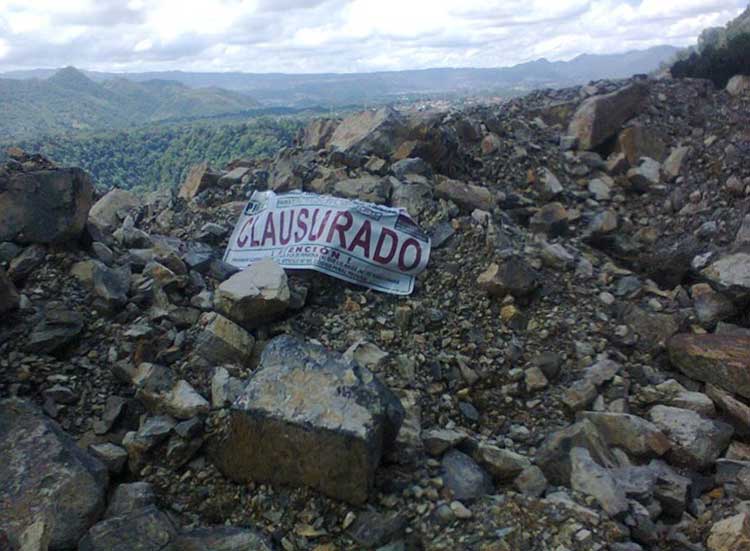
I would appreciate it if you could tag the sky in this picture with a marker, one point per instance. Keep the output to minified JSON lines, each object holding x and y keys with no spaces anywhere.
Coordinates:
{"x":311,"y":36}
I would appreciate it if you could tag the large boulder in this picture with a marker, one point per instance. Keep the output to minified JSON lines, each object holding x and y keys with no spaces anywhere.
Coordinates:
{"x":307,"y":416}
{"x":722,"y":360}
{"x":44,"y":206}
{"x":739,"y":85}
{"x":255,"y":296}
{"x":200,"y":178}
{"x":108,"y":212}
{"x":47,"y":478}
{"x":600,"y":117}
{"x":369,"y":133}
{"x":9,"y":297}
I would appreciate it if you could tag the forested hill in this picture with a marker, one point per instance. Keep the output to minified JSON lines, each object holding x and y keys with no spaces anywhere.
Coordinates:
{"x":160,"y":155}
{"x":70,"y":101}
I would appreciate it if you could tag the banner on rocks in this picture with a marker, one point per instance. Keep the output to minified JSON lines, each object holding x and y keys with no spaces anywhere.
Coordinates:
{"x":371,"y":245}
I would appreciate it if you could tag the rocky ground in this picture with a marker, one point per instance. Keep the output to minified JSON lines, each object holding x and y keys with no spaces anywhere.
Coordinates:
{"x":570,"y":373}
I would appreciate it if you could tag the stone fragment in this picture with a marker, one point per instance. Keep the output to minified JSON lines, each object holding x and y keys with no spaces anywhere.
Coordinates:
{"x":200,"y":178}
{"x":375,"y":132}
{"x":223,"y":341}
{"x":737,"y":411}
{"x":739,"y":85}
{"x":600,"y":117}
{"x":128,"y":498}
{"x":143,"y":529}
{"x":373,"y":530}
{"x":722,"y":360}
{"x":637,"y":141}
{"x":504,"y":465}
{"x":224,"y":388}
{"x":411,"y":166}
{"x":255,"y":296}
{"x":222,"y":538}
{"x":731,"y":274}
{"x":696,"y":442}
{"x":366,"y":354}
{"x":710,"y":306}
{"x":733,"y":533}
{"x":9,"y":297}
{"x":317,"y":133}
{"x":108,"y":212}
{"x":56,"y":330}
{"x":23,"y":265}
{"x":535,"y":379}
{"x":592,"y":479}
{"x":467,"y":196}
{"x":531,"y":482}
{"x":111,"y":285}
{"x":551,"y":219}
{"x":551,"y":186}
{"x":46,"y":477}
{"x":233,"y":177}
{"x":634,"y":434}
{"x":325,"y":421}
{"x":44,"y":206}
{"x":112,"y":456}
{"x":438,"y":441}
{"x":366,"y":188}
{"x":644,"y":177}
{"x":513,"y":277}
{"x":672,"y":167}
{"x":463,"y":477}
{"x":599,"y":189}
{"x":184,"y":402}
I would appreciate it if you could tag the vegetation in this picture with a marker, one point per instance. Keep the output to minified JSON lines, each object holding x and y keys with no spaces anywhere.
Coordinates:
{"x":717,"y":63}
{"x":158,"y":156}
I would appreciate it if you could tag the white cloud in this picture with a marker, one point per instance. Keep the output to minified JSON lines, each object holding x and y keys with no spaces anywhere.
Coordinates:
{"x":338,"y":35}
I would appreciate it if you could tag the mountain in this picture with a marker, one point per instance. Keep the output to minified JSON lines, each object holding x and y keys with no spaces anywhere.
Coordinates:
{"x":69,"y":100}
{"x":277,"y":89}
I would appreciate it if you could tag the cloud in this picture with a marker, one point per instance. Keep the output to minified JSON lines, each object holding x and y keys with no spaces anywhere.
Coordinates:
{"x":338,"y":35}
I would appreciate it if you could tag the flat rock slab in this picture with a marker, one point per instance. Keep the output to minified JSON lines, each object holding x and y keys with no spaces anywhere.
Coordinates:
{"x":722,"y":360}
{"x":307,"y":416}
{"x":46,"y":478}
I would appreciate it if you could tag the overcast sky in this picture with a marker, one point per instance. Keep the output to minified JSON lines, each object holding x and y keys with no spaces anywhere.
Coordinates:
{"x":338,"y":35}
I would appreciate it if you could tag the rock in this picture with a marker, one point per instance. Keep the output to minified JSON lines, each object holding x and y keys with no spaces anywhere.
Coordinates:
{"x":696,"y":442}
{"x":634,"y":434}
{"x":22,"y":266}
{"x":710,"y":306}
{"x":46,"y":477}
{"x":467,"y":196}
{"x":637,"y":141}
{"x":233,"y":177}
{"x":599,"y":189}
{"x":366,"y":188}
{"x":372,"y":529}
{"x":603,"y":223}
{"x":463,"y":477}
{"x":731,"y":274}
{"x":146,"y":529}
{"x":198,"y":180}
{"x":437,"y":441}
{"x":553,"y":456}
{"x":9,"y":297}
{"x":224,"y":388}
{"x":551,"y":219}
{"x":490,"y":144}
{"x":44,"y":206}
{"x":223,"y":341}
{"x":671,"y":489}
{"x":411,"y":166}
{"x":131,"y":237}
{"x":108,"y":212}
{"x":531,"y":482}
{"x":722,"y":360}
{"x":112,"y":456}
{"x":317,"y":133}
{"x":129,"y":498}
{"x":513,"y":277}
{"x":325,"y":420}
{"x":739,"y":85}
{"x":549,"y":362}
{"x":736,"y":410}
{"x":653,"y":329}
{"x":733,"y":533}
{"x":56,"y":330}
{"x":504,"y":465}
{"x":415,"y":197}
{"x":290,"y":170}
{"x":644,"y":177}
{"x":535,"y":379}
{"x":184,"y":402}
{"x":674,"y":164}
{"x":600,"y":117}
{"x":222,"y":538}
{"x":366,"y":354}
{"x":369,"y":133}
{"x":551,"y":186}
{"x":111,"y":285}
{"x":592,"y":479}
{"x":255,"y":296}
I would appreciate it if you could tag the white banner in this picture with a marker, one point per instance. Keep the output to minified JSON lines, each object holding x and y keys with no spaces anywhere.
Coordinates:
{"x":378,"y":247}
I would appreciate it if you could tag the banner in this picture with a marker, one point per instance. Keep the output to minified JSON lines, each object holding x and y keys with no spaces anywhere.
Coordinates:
{"x":378,"y":247}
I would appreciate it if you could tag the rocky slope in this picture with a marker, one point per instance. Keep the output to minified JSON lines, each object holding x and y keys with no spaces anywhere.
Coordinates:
{"x":570,"y":373}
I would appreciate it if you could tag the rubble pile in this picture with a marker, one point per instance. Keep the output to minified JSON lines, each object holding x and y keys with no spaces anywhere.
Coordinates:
{"x":571,"y":372}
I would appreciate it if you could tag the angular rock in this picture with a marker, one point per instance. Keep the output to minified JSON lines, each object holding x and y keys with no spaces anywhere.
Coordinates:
{"x":463,"y":477}
{"x":112,"y":456}
{"x":317,"y":133}
{"x":710,"y":306}
{"x":553,"y":456}
{"x":366,"y":188}
{"x":551,"y":186}
{"x":223,"y":341}
{"x":255,"y":296}
{"x":551,"y":219}
{"x":531,"y":482}
{"x":44,"y":206}
{"x":466,"y":196}
{"x":733,"y":533}
{"x":513,"y":277}
{"x":108,"y":212}
{"x":731,"y":274}
{"x":129,"y":498}
{"x":56,"y":330}
{"x":222,"y":538}
{"x":634,"y":434}
{"x":696,"y":442}
{"x":198,"y":179}
{"x":504,"y":465}
{"x":373,"y":530}
{"x":224,"y":388}
{"x":146,"y":529}
{"x":46,"y":477}
{"x":600,"y":117}
{"x":722,"y":360}
{"x":23,"y":265}
{"x":111,"y":285}
{"x":737,"y":411}
{"x":9,"y":297}
{"x":438,"y":441}
{"x":592,"y":479}
{"x":672,"y":167}
{"x":369,"y":133}
{"x":325,"y":421}
{"x":637,"y":141}
{"x":739,"y":85}
{"x":644,"y":177}
{"x":415,"y":197}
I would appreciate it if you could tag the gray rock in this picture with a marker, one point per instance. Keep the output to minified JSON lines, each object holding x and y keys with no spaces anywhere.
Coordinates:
{"x":325,"y":420}
{"x":224,"y":388}
{"x":644,"y":177}
{"x":372,"y":529}
{"x":112,"y":456}
{"x":111,"y":285}
{"x":108,"y":212}
{"x":366,"y":188}
{"x":221,"y":538}
{"x":467,"y":196}
{"x":504,"y":465}
{"x":129,"y":498}
{"x":464,"y":478}
{"x":415,"y":197}
{"x":44,"y":206}
{"x":739,"y":85}
{"x":512,"y":277}
{"x":131,"y":237}
{"x":671,"y":489}
{"x":733,"y":533}
{"x":151,"y":433}
{"x":731,"y":273}
{"x":634,"y":434}
{"x":531,"y":482}
{"x":254,"y":296}
{"x":411,"y":166}
{"x":47,"y":477}
{"x":674,"y":164}
{"x":146,"y":529}
{"x":696,"y":442}
{"x":370,"y":132}
{"x":56,"y":330}
{"x":600,"y":117}
{"x":199,"y":179}
{"x":438,"y":441}
{"x":22,"y":266}
{"x":592,"y":479}
{"x":710,"y":306}
{"x":223,"y":341}
{"x":551,"y":219}
{"x":9,"y":297}
{"x":233,"y":177}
